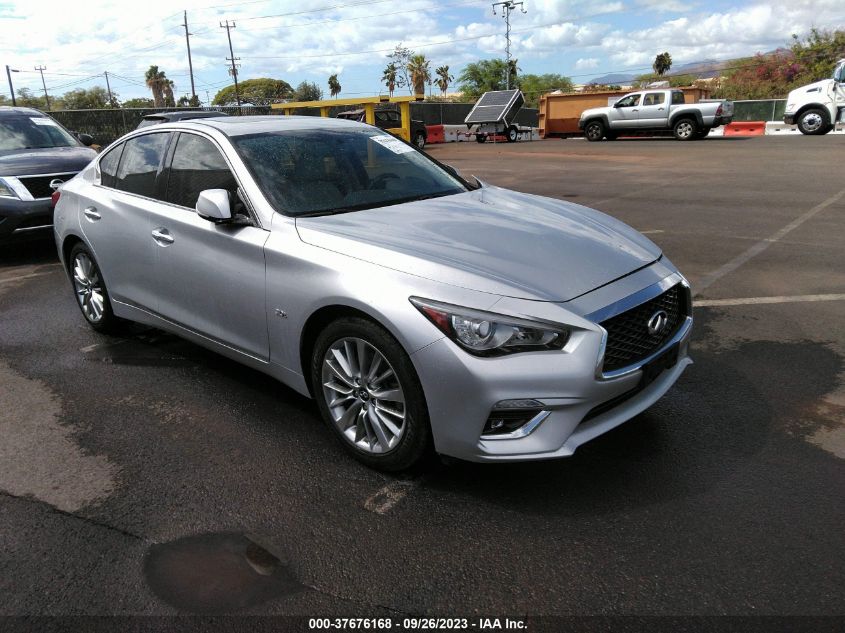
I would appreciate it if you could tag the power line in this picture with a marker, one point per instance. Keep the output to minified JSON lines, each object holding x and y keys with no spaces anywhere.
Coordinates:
{"x":41,"y":69}
{"x":190,"y":64}
{"x":232,"y":57}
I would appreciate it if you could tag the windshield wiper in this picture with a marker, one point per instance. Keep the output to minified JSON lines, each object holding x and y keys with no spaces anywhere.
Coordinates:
{"x":373,"y":205}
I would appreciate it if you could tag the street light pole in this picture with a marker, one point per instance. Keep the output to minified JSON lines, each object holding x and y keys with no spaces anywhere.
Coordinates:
{"x":9,"y":72}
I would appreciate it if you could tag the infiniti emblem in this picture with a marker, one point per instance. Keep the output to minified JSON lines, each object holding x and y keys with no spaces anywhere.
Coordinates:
{"x":657,"y":322}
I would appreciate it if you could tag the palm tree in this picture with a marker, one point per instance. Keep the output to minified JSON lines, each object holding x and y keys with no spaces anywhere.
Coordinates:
{"x":418,"y":67}
{"x":167,"y":92}
{"x":443,"y":78}
{"x":662,"y":63}
{"x":155,"y":81}
{"x":334,"y":86}
{"x":389,"y":77}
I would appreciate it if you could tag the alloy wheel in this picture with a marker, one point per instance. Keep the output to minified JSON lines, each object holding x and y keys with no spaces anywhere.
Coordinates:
{"x":363,"y":395}
{"x":594,"y":131}
{"x":88,"y":287}
{"x":685,"y":129}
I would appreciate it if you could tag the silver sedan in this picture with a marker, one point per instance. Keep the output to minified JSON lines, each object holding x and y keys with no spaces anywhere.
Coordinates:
{"x":420,"y":311}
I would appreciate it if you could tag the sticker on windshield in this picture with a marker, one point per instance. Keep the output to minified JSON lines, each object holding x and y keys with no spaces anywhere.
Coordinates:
{"x":42,"y":120}
{"x":393,"y":144}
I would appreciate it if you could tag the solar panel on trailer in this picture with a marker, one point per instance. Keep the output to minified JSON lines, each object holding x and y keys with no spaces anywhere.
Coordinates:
{"x":492,"y":106}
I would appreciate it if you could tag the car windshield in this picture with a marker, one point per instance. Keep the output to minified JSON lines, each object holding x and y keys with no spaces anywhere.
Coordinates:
{"x":316,"y":172}
{"x":32,"y":132}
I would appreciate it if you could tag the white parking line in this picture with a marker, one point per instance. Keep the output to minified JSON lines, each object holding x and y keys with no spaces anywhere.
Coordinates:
{"x":388,"y":496}
{"x":705,"y":303}
{"x":711,"y":278}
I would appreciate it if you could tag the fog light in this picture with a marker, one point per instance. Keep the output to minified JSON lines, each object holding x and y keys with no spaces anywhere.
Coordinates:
{"x":508,"y":416}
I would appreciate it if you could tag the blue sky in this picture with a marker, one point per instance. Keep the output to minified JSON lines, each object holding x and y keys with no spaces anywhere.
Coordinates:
{"x":298,"y":41}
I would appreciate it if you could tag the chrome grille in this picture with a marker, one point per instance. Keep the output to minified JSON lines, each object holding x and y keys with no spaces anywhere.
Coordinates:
{"x":628,"y":338}
{"x":39,"y":186}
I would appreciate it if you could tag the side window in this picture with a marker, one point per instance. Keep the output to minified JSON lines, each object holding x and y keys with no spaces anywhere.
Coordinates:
{"x":139,"y":164}
{"x":653,"y":98}
{"x":197,"y":165}
{"x":677,"y":98}
{"x":108,"y":166}
{"x":629,"y":101}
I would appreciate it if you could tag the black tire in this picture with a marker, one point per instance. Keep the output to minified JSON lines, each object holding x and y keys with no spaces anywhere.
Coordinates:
{"x":107,"y":322}
{"x":419,"y":140}
{"x":685,"y":129}
{"x":480,"y":138}
{"x":415,"y":441}
{"x":814,"y":122}
{"x":594,"y":131}
{"x":513,"y":134}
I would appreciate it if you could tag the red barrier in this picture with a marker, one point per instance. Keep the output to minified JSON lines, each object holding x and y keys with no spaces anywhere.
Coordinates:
{"x":435,"y":134}
{"x":746,"y":128}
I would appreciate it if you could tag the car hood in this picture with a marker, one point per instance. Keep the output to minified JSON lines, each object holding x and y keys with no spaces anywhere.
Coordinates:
{"x":491,"y":240}
{"x":53,"y":160}
{"x":592,"y":111}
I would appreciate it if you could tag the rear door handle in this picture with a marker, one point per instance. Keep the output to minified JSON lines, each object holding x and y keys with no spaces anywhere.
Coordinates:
{"x":162,"y":236}
{"x":91,"y":213}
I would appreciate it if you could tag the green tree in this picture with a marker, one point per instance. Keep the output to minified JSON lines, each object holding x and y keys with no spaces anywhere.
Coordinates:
{"x":307,"y":91}
{"x":389,"y":76}
{"x":817,"y":55}
{"x":87,"y":99}
{"x":534,"y":86}
{"x":26,"y":99}
{"x":400,"y":57}
{"x":675,"y":81}
{"x":160,"y":85}
{"x":334,"y":86}
{"x":662,"y":63}
{"x":443,"y":78}
{"x":419,"y":69}
{"x":485,"y":75}
{"x":262,"y":91}
{"x":139,"y":102}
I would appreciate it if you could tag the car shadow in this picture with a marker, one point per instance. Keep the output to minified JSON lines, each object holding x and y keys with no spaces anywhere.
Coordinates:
{"x":33,"y":251}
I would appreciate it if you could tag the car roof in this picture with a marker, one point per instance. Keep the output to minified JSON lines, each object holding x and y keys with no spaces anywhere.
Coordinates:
{"x":242,"y":125}
{"x":11,"y":110}
{"x":189,"y":114}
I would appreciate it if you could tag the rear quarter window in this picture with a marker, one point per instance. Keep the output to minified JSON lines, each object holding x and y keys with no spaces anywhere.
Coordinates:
{"x":139,"y":164}
{"x":108,"y":166}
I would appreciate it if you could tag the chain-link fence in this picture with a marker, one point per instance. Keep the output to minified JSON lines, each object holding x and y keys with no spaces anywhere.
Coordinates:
{"x":109,"y":124}
{"x":759,"y":110}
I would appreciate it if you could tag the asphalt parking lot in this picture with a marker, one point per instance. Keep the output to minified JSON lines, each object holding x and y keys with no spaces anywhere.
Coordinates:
{"x":725,"y":498}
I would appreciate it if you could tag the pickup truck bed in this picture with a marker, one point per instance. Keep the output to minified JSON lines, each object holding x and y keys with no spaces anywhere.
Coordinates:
{"x":655,"y":112}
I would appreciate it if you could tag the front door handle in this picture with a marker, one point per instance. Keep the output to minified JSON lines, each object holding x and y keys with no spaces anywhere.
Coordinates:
{"x":162,"y":236}
{"x":92,"y":214}
{"x":661,"y":109}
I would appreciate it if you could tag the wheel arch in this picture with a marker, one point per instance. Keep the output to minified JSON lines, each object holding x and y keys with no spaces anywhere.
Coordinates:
{"x":812,"y":106}
{"x":695,"y":115}
{"x":68,"y":243}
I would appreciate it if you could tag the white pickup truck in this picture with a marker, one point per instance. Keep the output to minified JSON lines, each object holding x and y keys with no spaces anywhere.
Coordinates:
{"x":654,"y":112}
{"x":817,"y":107}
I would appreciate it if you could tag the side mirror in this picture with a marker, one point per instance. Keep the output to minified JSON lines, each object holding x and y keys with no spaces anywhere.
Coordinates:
{"x":451,"y":170}
{"x":214,"y":205}
{"x":86,"y":139}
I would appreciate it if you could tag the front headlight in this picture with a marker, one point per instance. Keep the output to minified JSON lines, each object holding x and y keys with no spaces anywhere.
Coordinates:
{"x":6,"y":190}
{"x":488,"y":334}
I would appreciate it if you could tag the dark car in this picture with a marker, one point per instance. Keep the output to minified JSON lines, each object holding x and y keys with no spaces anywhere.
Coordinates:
{"x":389,"y":119}
{"x":37,"y":155}
{"x":168,"y":117}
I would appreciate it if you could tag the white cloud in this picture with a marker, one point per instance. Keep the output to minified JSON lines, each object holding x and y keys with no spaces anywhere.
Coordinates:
{"x":586,"y":63}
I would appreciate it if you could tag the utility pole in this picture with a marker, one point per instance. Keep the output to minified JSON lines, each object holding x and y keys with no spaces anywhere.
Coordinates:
{"x":233,"y":59}
{"x":41,"y":69}
{"x":108,"y":87}
{"x":9,"y":72}
{"x":190,"y":64}
{"x":508,"y":6}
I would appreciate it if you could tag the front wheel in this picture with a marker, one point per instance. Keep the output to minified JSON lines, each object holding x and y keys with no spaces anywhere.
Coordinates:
{"x":594,"y":131}
{"x":480,"y":138}
{"x":90,"y":290}
{"x":419,"y":140}
{"x":369,"y":394}
{"x":685,"y":130}
{"x":814,"y":122}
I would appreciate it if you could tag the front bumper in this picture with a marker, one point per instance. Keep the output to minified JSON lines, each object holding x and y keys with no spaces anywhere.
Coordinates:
{"x":19,"y":218}
{"x":581,"y":403}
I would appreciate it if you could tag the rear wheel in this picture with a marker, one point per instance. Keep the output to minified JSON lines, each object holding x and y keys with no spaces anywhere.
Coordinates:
{"x":513,"y":134}
{"x":685,"y":130}
{"x":594,"y":131}
{"x":480,"y":138}
{"x":92,"y":297}
{"x":813,"y":122}
{"x":369,"y":394}
{"x":419,"y":140}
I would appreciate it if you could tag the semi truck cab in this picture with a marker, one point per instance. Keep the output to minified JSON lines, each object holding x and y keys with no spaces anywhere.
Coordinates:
{"x":817,"y":107}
